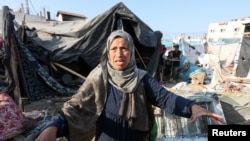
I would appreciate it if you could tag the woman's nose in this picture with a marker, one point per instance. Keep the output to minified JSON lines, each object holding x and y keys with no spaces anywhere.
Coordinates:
{"x":119,"y":52}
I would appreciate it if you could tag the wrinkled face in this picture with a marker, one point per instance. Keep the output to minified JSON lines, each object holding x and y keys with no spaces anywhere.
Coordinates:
{"x":119,"y":54}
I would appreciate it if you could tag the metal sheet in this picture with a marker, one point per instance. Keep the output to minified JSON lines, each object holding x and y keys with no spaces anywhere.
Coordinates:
{"x":171,"y":127}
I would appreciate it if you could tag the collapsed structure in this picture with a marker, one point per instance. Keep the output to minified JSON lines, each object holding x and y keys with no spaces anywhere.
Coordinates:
{"x":52,"y":58}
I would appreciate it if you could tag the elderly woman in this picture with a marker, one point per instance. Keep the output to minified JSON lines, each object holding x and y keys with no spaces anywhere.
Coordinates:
{"x":113,"y":102}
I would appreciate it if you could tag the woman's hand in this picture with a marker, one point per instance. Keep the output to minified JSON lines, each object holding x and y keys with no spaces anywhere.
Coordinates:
{"x":48,"y":134}
{"x":198,"y":111}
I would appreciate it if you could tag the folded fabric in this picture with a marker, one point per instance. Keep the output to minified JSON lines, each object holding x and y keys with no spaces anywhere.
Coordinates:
{"x":11,"y":117}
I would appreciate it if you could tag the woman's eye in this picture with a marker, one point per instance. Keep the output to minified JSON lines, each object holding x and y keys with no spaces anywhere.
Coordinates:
{"x":124,"y":49}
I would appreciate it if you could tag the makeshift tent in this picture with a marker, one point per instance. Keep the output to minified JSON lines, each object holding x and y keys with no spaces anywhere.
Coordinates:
{"x":191,"y":51}
{"x":54,"y":57}
{"x":190,"y":54}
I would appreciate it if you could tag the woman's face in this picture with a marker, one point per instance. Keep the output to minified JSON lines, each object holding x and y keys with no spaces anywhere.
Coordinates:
{"x":119,"y":54}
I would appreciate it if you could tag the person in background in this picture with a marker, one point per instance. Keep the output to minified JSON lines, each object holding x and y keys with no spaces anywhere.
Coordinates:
{"x":114,"y":103}
{"x":163,"y":49}
{"x":174,"y":57}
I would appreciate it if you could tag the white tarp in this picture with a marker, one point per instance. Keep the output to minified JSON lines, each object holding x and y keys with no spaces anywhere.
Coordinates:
{"x":191,"y":51}
{"x":227,"y":53}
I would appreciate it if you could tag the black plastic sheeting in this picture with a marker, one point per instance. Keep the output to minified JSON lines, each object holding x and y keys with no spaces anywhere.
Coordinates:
{"x":88,"y":48}
{"x":35,"y":74}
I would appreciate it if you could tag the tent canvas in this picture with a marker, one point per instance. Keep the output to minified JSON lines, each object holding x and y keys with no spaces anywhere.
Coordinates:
{"x":77,"y":46}
{"x":89,"y":40}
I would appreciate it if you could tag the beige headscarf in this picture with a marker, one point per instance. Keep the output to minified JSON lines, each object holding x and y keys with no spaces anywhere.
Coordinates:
{"x":84,"y":108}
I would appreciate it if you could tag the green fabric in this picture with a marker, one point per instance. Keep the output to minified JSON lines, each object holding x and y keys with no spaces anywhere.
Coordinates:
{"x":153,"y":132}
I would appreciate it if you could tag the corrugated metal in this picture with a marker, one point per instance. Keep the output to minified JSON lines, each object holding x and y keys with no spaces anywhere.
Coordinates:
{"x":171,"y":127}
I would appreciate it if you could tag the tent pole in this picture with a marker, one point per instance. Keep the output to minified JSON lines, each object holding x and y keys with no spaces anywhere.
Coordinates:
{"x":69,"y":70}
{"x":140,"y":57}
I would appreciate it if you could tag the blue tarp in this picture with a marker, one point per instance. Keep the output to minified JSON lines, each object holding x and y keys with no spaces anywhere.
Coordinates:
{"x":191,"y":71}
{"x":167,"y":44}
